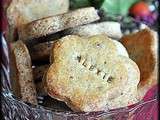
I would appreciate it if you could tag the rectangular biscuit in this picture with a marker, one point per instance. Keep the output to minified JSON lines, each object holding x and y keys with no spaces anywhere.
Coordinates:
{"x":23,"y":77}
{"x":22,"y":12}
{"x":53,"y":24}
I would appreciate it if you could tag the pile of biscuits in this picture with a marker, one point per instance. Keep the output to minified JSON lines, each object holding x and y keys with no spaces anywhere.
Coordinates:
{"x":76,"y":58}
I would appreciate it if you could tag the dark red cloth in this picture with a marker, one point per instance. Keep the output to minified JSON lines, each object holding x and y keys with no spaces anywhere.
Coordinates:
{"x":150,"y":110}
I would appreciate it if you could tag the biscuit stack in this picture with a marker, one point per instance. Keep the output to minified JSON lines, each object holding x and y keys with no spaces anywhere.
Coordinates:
{"x":73,"y":57}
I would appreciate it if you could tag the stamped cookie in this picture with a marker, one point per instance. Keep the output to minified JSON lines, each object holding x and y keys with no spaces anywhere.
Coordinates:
{"x":90,"y":74}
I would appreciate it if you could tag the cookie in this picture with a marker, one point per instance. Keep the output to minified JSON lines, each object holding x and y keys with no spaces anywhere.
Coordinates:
{"x":111,"y":29}
{"x":142,"y":48}
{"x":21,"y":12}
{"x":23,"y":76}
{"x":90,"y":74}
{"x":53,"y":24}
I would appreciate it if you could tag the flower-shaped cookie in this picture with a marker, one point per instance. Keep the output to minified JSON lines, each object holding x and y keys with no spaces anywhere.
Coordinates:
{"x":92,"y":74}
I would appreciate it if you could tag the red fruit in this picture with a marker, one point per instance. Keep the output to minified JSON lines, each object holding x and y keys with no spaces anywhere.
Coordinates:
{"x":140,"y":9}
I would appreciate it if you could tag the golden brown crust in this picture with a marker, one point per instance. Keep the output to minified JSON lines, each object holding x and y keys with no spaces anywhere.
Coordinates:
{"x":141,"y":47}
{"x":89,"y":74}
{"x":24,"y":72}
{"x":53,"y":24}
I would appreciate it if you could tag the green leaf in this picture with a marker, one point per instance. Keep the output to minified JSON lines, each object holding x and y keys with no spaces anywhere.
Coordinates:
{"x":117,"y":7}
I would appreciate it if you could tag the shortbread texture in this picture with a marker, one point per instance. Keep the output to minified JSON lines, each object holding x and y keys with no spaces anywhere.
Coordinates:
{"x":91,"y":74}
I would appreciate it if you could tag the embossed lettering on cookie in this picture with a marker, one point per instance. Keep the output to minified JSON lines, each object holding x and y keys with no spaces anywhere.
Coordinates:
{"x":92,"y":74}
